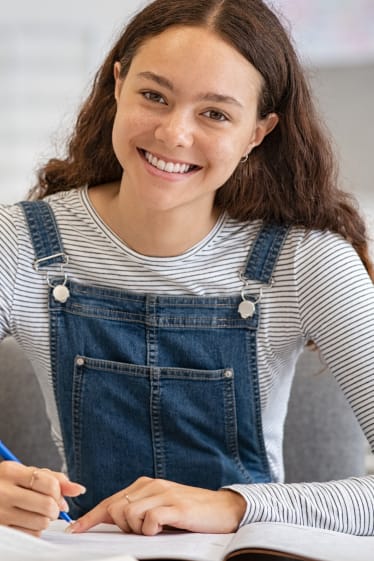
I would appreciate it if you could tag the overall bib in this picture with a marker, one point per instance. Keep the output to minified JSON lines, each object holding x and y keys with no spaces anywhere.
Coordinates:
{"x":163,"y":386}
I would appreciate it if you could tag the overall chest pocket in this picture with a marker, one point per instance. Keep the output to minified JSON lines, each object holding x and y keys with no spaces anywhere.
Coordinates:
{"x":132,"y":420}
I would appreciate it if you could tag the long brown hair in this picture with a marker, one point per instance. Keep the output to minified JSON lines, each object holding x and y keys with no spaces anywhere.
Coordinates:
{"x":290,"y":178}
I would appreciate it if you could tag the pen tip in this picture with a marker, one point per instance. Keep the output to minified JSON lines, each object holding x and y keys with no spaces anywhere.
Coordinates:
{"x":66,"y":517}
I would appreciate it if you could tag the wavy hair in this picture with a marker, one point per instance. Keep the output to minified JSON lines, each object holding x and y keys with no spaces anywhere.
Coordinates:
{"x":291,"y":178}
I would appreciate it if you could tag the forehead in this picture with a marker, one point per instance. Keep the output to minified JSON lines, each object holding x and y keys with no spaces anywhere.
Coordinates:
{"x":198,"y":57}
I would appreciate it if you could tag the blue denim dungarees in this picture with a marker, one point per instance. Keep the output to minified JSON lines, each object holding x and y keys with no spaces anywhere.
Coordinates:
{"x":163,"y":386}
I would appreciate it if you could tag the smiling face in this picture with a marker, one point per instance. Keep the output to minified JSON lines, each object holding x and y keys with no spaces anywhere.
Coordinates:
{"x":186,"y":115}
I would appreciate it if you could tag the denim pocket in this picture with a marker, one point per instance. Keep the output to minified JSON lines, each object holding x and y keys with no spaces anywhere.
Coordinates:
{"x":131,"y":420}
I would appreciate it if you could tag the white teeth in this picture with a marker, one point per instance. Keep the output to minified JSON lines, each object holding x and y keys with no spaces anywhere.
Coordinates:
{"x":169,"y":167}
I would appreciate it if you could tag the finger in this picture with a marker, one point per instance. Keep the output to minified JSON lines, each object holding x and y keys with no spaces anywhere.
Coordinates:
{"x":34,"y":533}
{"x":117,"y":513}
{"x":26,"y":491}
{"x":129,"y":513}
{"x":45,"y":482}
{"x":27,"y":520}
{"x":19,"y":503}
{"x":128,"y":507}
{"x":99,"y":514}
{"x":30,"y":477}
{"x":156,"y":518}
{"x":68,"y":488}
{"x":16,"y":473}
{"x":41,"y":481}
{"x":32,"y":501}
{"x":40,"y":492}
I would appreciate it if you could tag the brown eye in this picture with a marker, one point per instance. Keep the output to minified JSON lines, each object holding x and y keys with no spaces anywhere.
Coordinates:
{"x":154,"y":96}
{"x":216,"y":115}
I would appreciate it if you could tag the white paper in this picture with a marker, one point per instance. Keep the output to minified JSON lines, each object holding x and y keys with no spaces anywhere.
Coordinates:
{"x":18,"y":546}
{"x":169,"y":545}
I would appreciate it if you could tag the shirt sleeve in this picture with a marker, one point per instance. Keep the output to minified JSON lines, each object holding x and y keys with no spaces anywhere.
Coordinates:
{"x":336,"y":307}
{"x":336,"y":303}
{"x":8,"y":268}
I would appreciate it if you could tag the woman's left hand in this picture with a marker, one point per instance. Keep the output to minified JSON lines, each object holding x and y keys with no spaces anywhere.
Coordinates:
{"x":147,"y":505}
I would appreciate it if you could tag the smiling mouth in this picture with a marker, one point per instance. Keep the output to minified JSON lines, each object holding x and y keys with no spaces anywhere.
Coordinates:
{"x":169,"y":167}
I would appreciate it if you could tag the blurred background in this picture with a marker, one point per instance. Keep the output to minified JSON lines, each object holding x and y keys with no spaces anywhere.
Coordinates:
{"x":49,"y":52}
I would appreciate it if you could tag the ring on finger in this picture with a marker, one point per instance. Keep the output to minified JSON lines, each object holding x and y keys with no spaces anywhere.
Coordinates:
{"x":127,"y":499}
{"x":33,"y":478}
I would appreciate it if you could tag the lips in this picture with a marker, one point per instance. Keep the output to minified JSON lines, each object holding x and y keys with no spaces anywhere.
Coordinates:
{"x":168,"y":166}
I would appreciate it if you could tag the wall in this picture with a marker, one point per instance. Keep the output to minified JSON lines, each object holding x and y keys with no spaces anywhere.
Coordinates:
{"x":345,"y":96}
{"x":48,"y":55}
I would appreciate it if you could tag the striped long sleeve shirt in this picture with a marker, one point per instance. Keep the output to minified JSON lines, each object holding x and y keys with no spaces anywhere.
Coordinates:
{"x":320,"y":292}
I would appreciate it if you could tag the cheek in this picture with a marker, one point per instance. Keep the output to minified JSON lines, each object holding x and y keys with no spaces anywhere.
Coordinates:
{"x":128,"y":127}
{"x":119,"y":143}
{"x":226,"y":154}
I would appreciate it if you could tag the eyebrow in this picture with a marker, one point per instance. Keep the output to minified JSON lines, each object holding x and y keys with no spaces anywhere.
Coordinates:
{"x":208,"y":96}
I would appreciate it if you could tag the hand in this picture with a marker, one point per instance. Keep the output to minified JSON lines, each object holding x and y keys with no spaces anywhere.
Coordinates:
{"x":32,"y":497}
{"x":147,"y":505}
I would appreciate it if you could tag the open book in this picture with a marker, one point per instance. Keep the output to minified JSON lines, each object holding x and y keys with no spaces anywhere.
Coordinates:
{"x":254,"y":542}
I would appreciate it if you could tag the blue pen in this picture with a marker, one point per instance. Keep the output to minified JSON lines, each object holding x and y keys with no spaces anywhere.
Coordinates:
{"x":8,"y":455}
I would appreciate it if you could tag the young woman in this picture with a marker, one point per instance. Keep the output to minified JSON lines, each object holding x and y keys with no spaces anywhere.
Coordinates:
{"x":178,"y":260}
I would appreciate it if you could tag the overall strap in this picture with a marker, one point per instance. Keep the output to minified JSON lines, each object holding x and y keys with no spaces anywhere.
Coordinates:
{"x":264,"y":253}
{"x":44,"y":234}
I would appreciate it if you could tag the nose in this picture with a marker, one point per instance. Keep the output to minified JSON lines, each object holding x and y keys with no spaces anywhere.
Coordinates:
{"x":176,"y":129}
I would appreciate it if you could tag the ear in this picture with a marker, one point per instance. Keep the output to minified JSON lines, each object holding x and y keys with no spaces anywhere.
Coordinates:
{"x":117,"y":80}
{"x":263,"y":128}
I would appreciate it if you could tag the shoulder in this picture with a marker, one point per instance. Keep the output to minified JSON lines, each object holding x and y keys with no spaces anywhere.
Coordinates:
{"x":14,"y":232}
{"x":13,"y":214}
{"x":318,"y":247}
{"x":304,"y":239}
{"x":68,"y":208}
{"x":66,"y":201}
{"x":315,"y":259}
{"x":328,"y":271}
{"x":11,"y":221}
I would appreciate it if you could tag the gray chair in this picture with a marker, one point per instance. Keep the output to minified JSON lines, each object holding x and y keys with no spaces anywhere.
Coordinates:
{"x":24,"y":426}
{"x":323,"y":441}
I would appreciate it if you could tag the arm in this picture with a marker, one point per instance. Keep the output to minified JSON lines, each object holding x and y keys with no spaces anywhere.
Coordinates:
{"x":336,"y":301}
{"x":30,"y":497}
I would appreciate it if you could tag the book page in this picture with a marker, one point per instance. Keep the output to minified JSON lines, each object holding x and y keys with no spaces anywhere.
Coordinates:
{"x":16,"y":545}
{"x":302,"y":542}
{"x":168,"y":545}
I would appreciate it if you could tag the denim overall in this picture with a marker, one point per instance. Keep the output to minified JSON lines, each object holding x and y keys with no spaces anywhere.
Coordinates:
{"x":163,"y":386}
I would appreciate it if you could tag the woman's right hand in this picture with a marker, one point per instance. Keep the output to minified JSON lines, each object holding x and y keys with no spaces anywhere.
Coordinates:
{"x":32,"y":497}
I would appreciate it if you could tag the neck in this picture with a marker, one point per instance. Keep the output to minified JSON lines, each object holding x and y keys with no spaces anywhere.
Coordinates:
{"x":160,"y":233}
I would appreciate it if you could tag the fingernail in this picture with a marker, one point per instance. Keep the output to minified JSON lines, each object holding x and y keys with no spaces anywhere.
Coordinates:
{"x":64,"y":505}
{"x":82,"y":488}
{"x":72,"y":528}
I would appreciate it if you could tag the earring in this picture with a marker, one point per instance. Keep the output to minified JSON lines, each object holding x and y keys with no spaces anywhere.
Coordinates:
{"x":244,"y":158}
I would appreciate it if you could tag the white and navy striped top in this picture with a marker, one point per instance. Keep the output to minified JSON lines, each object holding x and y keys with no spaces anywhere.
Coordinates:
{"x":321,"y":291}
